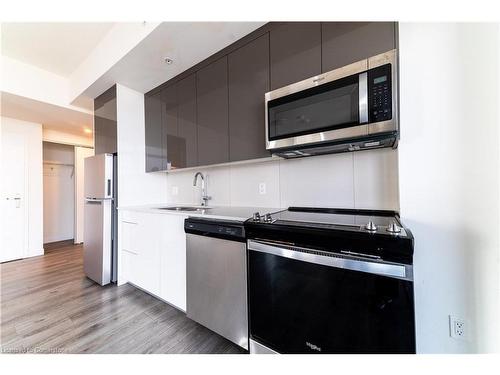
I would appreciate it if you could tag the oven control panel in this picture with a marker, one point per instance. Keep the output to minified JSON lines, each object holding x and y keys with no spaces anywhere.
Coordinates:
{"x":380,"y":93}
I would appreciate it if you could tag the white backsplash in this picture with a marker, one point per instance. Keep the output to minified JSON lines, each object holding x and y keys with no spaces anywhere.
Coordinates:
{"x":366,"y":179}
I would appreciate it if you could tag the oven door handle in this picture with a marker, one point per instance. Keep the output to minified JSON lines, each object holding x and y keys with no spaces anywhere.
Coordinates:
{"x":394,"y":270}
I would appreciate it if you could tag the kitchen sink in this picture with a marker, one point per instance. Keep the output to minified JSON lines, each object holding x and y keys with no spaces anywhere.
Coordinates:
{"x":185,"y":208}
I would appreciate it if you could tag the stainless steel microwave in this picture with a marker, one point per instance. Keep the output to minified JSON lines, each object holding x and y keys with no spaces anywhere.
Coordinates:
{"x":347,"y":109}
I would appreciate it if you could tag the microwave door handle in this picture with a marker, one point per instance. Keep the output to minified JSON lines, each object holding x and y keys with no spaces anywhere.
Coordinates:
{"x":363,"y":98}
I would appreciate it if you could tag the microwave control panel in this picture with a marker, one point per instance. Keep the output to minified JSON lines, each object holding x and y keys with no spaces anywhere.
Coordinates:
{"x":380,"y":93}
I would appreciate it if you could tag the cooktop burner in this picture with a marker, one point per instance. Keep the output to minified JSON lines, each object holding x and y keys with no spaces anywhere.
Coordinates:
{"x":371,"y":221}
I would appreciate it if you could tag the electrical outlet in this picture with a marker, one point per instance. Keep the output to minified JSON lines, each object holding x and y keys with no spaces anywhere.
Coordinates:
{"x":175,"y":190}
{"x":458,"y":328}
{"x":262,"y":188}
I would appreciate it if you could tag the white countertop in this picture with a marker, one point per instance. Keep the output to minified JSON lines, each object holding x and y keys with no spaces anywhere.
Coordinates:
{"x":221,"y":212}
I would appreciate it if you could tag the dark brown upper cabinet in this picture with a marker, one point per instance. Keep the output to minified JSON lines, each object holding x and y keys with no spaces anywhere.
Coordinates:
{"x":172,"y":148}
{"x":295,"y":52}
{"x":186,"y":120}
{"x":212,"y":113}
{"x":346,"y":42}
{"x":105,"y":122}
{"x":248,"y":82}
{"x":153,"y":133}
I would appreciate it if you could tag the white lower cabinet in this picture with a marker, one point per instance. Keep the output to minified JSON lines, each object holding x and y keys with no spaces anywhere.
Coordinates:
{"x":173,"y":261}
{"x":152,"y":254}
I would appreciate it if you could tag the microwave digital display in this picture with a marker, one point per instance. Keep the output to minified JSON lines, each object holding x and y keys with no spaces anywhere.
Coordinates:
{"x":379,"y":80}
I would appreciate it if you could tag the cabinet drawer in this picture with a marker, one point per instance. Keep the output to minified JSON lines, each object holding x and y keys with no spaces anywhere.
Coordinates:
{"x":130,"y":237}
{"x":127,"y":271}
{"x":129,"y":216}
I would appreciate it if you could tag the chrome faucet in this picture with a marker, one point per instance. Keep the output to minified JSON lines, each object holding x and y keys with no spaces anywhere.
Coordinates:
{"x":204,"y":197}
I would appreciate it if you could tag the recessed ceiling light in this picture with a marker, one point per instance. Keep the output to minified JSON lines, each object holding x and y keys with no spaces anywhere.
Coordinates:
{"x":168,"y":60}
{"x":87,"y":130}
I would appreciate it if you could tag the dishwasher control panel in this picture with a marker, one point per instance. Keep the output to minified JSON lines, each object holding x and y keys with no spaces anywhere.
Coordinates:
{"x":215,"y":228}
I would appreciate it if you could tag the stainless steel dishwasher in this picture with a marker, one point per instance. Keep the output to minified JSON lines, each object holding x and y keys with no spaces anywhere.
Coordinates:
{"x":217,"y":277}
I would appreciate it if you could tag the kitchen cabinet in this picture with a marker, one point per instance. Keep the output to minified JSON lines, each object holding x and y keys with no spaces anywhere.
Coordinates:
{"x":153,"y":133}
{"x":105,"y":123}
{"x":152,"y":254}
{"x":212,"y":113}
{"x":140,"y":244}
{"x":186,"y":121}
{"x":295,"y":49}
{"x":173,"y":260}
{"x":248,"y":79}
{"x":172,"y":152}
{"x":346,"y":42}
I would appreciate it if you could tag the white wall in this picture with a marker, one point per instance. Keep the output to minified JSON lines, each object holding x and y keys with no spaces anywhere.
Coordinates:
{"x":58,"y":192}
{"x":80,"y":154}
{"x":135,"y":186}
{"x":366,"y":179}
{"x":32,"y":82}
{"x":32,"y":134}
{"x":449,"y":178}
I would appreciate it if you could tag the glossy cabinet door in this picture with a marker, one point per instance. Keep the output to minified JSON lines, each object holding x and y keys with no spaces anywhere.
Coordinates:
{"x":153,"y":133}
{"x":172,"y":147}
{"x":105,"y":123}
{"x":248,"y":72}
{"x":346,"y":42}
{"x":186,"y":120}
{"x":212,"y":111}
{"x":295,"y":52}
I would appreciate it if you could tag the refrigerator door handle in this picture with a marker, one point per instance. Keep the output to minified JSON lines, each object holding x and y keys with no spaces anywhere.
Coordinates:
{"x":93,"y":201}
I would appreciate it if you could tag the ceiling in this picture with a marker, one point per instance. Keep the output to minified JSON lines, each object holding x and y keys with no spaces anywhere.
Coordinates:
{"x":186,"y":43}
{"x":53,"y":46}
{"x":50,"y":116}
{"x":61,"y":47}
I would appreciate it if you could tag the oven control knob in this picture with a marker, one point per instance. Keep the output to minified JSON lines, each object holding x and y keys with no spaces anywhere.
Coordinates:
{"x":371,"y":226}
{"x":256,"y":217}
{"x":268,"y":218}
{"x":394,"y":228}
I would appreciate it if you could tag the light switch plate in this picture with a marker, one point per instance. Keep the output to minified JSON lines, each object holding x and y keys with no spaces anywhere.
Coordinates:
{"x":175,"y":190}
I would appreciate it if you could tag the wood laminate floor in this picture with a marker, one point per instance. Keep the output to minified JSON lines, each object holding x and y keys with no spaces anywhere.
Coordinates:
{"x":49,"y":306}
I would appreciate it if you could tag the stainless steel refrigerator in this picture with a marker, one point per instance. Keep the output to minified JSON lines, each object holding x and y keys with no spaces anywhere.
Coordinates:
{"x":99,"y":236}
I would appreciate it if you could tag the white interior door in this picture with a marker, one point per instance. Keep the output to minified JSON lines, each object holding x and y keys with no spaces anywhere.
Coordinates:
{"x":12,"y":197}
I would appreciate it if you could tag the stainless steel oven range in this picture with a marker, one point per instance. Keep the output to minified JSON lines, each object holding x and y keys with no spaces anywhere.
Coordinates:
{"x":330,"y":281}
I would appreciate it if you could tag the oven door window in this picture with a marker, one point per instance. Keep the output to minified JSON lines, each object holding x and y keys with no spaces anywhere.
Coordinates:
{"x":300,"y":307}
{"x":330,"y":106}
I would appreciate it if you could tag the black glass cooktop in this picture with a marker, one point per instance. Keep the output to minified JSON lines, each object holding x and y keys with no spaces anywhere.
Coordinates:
{"x":335,"y":218}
